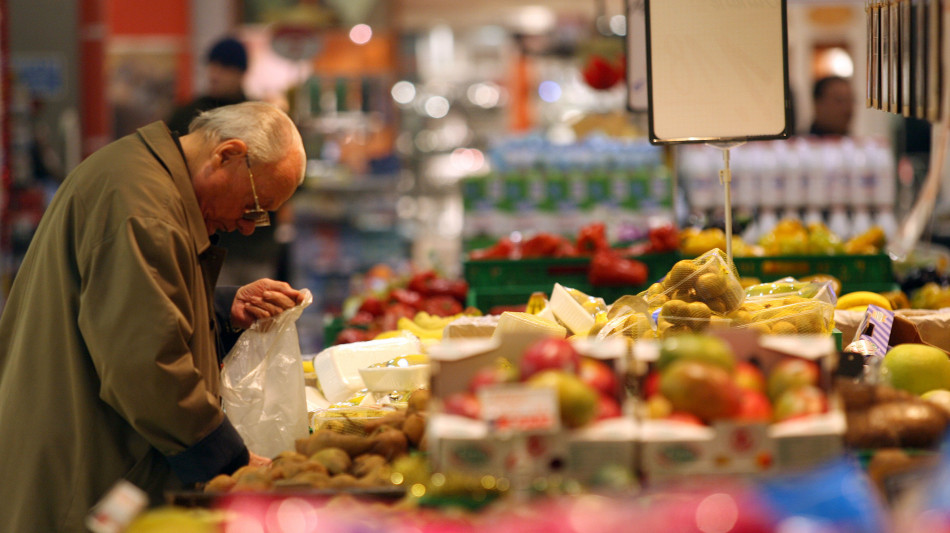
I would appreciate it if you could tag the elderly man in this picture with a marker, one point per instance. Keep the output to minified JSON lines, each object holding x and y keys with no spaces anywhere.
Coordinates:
{"x":109,"y":356}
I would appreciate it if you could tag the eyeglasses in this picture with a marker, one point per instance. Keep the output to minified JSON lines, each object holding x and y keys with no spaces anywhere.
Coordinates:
{"x":258,"y":216}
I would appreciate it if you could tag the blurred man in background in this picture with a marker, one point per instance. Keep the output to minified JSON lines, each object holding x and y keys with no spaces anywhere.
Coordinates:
{"x":227,"y":64}
{"x":833,"y":99}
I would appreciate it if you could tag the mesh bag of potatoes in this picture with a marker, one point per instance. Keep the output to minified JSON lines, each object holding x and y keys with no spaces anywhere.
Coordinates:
{"x":695,"y":295}
{"x":629,"y":316}
{"x":785,"y":315}
{"x":789,"y":286}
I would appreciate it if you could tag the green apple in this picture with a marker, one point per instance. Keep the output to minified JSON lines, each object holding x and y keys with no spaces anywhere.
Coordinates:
{"x":705,"y":348}
{"x":917,"y":368}
{"x":577,"y":401}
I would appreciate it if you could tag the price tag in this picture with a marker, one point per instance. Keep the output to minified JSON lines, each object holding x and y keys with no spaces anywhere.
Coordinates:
{"x":520,"y":408}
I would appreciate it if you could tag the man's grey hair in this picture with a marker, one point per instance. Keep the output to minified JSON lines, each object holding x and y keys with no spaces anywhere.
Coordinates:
{"x":265,"y":128}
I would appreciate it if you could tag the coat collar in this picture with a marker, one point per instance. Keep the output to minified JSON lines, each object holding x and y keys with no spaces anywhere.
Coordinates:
{"x":159,"y":140}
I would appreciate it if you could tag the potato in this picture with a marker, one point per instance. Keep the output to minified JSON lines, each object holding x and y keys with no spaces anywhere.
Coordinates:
{"x":414,"y":427}
{"x":365,"y":463}
{"x":335,"y":460}
{"x":390,"y":443}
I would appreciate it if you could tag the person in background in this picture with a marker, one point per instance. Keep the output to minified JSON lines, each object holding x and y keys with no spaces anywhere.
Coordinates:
{"x":833,"y":99}
{"x":111,"y":343}
{"x":227,"y":64}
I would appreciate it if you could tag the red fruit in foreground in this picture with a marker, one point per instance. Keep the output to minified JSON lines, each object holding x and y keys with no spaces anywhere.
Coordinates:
{"x":651,"y":385}
{"x":493,"y":375}
{"x":550,"y":353}
{"x":598,"y":375}
{"x":686,"y":418}
{"x":607,"y":407}
{"x":755,"y":407}
{"x":790,"y":373}
{"x":805,"y":400}
{"x":748,"y":376}
{"x":463,"y":404}
{"x":703,"y":389}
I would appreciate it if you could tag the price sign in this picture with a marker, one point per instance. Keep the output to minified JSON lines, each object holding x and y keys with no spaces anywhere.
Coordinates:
{"x":520,"y":408}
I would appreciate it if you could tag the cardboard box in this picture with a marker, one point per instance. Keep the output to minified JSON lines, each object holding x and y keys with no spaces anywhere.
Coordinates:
{"x":479,"y":447}
{"x":670,"y":449}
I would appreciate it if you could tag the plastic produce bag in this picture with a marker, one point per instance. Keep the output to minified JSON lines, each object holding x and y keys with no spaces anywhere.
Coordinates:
{"x":785,"y":315}
{"x":262,"y":384}
{"x":709,"y":279}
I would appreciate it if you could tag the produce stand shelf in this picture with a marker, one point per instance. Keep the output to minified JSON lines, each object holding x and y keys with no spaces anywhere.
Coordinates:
{"x":856,"y":272}
{"x":568,"y":271}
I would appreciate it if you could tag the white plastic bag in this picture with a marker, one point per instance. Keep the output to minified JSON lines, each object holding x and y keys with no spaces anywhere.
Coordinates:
{"x":262,"y":384}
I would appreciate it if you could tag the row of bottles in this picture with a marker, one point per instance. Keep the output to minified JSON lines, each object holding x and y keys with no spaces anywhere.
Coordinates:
{"x":849,"y":184}
{"x":538,"y":185}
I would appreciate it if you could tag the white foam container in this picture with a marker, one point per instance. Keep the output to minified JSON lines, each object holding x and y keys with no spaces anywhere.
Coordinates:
{"x":338,"y":367}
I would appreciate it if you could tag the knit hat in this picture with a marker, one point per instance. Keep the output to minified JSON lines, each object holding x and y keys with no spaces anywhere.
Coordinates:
{"x":229,"y":52}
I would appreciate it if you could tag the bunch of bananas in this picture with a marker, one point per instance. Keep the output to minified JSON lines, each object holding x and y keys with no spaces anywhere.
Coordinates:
{"x":859,"y":301}
{"x":423,"y":325}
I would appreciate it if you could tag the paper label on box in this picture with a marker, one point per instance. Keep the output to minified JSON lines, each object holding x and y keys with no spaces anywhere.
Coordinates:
{"x":876,"y":328}
{"x":520,"y":408}
{"x":743,"y":447}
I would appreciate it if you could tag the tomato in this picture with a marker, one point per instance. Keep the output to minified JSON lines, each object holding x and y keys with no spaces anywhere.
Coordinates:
{"x":608,"y":267}
{"x":441,"y":306}
{"x":405,"y":296}
{"x":348,"y":335}
{"x":503,"y":249}
{"x":371,"y":305}
{"x":591,"y":238}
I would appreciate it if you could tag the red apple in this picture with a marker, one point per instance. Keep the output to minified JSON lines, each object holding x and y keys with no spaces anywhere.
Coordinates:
{"x":598,"y":375}
{"x":749,"y":376}
{"x":790,"y":373}
{"x":607,"y":407}
{"x":463,"y":404}
{"x":651,"y":385}
{"x":804,"y":400}
{"x":703,"y":389}
{"x":686,"y":418}
{"x":550,"y":353}
{"x":500,"y":372}
{"x":755,"y":406}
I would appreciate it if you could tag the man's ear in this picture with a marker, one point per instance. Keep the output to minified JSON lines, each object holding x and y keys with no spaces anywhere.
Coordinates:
{"x":229,"y":151}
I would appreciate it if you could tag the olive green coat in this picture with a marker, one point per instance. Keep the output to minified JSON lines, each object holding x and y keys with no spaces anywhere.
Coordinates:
{"x":108,"y":367}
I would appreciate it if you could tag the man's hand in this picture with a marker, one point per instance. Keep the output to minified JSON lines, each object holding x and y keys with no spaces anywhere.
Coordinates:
{"x":258,"y":460}
{"x":263,"y":298}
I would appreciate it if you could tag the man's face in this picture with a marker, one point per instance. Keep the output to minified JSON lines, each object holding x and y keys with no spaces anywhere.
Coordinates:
{"x":226,"y":193}
{"x":834,"y":108}
{"x":224,"y":82}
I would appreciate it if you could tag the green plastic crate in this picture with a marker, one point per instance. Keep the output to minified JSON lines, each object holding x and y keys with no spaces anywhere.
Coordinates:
{"x":568,"y":271}
{"x":486,"y":298}
{"x":856,"y":272}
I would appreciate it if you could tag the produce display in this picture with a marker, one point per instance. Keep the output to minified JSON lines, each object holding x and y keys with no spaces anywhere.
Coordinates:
{"x":356,"y":455}
{"x":788,"y":237}
{"x":702,"y":372}
{"x":697,"y":379}
{"x":423,"y":298}
{"x":587,"y":388}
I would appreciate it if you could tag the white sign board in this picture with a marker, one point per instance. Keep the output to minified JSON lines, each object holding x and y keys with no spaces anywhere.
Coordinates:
{"x":717,"y":70}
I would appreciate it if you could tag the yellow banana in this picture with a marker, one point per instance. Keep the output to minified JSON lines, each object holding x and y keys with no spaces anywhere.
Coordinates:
{"x":865,"y":298}
{"x":417,"y":330}
{"x":429,"y":321}
{"x":388,"y":334}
